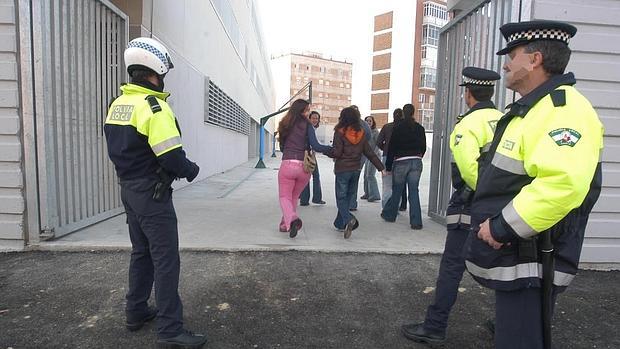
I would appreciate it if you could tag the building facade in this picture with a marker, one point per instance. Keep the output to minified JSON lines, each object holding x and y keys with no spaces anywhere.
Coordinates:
{"x":331,"y":85}
{"x":473,"y":38}
{"x":404,"y":59}
{"x":432,"y":15}
{"x":61,"y":63}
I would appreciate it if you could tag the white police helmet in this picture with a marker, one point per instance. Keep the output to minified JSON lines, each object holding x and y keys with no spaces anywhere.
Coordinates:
{"x":149,"y":53}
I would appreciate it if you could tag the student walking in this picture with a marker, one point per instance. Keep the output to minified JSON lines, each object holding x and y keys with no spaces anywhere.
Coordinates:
{"x":296,"y":136}
{"x":349,"y":145}
{"x":371,"y":188}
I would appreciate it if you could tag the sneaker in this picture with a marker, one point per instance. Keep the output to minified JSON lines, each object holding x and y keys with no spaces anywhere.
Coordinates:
{"x":319,"y":202}
{"x":416,"y":227}
{"x":386,"y":219}
{"x":353,"y":209}
{"x":295,"y":226}
{"x":304,"y":204}
{"x":349,"y":227}
{"x":187,"y":339}
{"x":373,"y":200}
{"x":364,"y":197}
{"x":135,"y":324}
{"x":417,"y":333}
{"x":402,"y":209}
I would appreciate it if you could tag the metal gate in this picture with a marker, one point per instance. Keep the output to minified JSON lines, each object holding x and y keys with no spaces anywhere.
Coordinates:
{"x":471,"y":38}
{"x":78,"y":66}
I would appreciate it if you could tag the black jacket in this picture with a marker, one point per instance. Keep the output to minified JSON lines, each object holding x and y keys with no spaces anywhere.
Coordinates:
{"x":408,"y":139}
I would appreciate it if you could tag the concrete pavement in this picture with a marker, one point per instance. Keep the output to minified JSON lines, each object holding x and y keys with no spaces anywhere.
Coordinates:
{"x":239,"y":211}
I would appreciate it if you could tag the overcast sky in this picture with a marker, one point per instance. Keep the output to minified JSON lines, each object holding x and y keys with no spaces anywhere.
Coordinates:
{"x":341,"y":29}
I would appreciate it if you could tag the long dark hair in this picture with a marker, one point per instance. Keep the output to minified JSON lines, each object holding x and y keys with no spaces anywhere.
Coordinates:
{"x":349,"y":117}
{"x":408,"y":119}
{"x":374,"y":123}
{"x":293,"y":115}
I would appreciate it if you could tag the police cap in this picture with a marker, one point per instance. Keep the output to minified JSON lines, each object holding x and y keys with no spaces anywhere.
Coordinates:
{"x":522,"y":33}
{"x":479,"y":77}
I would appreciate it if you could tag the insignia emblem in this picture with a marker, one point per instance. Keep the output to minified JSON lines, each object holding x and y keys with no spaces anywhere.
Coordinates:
{"x":493,"y":124}
{"x":565,"y":136}
{"x":508,"y":145}
{"x":457,"y":139}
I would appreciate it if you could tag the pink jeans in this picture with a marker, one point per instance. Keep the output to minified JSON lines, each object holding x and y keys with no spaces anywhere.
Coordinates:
{"x":291,"y":182}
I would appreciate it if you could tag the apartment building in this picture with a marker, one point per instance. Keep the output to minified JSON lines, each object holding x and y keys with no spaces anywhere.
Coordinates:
{"x":331,"y":85}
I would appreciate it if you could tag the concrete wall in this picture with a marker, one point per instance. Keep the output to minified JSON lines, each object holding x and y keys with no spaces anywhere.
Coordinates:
{"x":596,"y":63}
{"x":200,"y":46}
{"x":12,"y":206}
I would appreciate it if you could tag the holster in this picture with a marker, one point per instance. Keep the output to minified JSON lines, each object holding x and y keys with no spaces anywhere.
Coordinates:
{"x":163,"y":185}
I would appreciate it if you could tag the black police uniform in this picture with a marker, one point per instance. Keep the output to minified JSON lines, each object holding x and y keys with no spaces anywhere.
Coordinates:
{"x":472,"y":135}
{"x":542,"y":175}
{"x":143,"y":138}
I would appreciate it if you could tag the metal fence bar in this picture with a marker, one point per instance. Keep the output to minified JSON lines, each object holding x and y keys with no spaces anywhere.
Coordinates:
{"x":77,"y":66}
{"x":472,"y":38}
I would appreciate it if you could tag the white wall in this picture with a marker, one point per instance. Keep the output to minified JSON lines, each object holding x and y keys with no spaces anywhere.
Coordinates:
{"x":403,"y":40}
{"x":12,"y":204}
{"x":200,"y":47}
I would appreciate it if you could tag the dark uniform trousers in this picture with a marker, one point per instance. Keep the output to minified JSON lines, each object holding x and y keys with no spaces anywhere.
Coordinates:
{"x":451,"y":267}
{"x":154,"y":257}
{"x":518,"y":318}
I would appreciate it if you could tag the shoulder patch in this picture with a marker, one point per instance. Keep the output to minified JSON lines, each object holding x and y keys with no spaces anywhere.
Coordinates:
{"x":558,"y":97}
{"x":493,"y":124}
{"x":565,"y":136}
{"x":155,"y":107}
{"x":457,"y":139}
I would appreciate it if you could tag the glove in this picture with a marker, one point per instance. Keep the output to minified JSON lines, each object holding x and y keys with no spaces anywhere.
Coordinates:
{"x":195,"y":170}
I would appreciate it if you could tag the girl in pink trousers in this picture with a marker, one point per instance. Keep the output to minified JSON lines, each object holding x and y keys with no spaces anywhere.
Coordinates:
{"x":296,"y":135}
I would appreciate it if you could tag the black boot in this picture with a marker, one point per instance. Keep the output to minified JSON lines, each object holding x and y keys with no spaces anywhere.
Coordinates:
{"x":187,"y":339}
{"x":134,"y":323}
{"x":417,"y":333}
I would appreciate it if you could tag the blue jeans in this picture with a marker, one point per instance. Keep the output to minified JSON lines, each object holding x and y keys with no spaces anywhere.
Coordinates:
{"x":353,"y":200}
{"x":317,"y":195}
{"x":405,"y":172}
{"x":346,"y":189}
{"x":371,"y":189}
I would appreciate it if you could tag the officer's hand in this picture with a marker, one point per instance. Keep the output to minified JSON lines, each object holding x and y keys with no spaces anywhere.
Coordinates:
{"x":484,"y":234}
{"x":195,"y":170}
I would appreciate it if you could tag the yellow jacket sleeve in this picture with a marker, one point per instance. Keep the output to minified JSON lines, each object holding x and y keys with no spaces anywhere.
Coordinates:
{"x":466,"y":150}
{"x":163,"y":134}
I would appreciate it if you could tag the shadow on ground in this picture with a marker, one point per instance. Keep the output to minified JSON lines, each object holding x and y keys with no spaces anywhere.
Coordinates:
{"x":273,"y":300}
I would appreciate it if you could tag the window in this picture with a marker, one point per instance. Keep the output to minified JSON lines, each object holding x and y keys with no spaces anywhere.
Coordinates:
{"x":430,"y":35}
{"x":348,"y":85}
{"x":341,"y":84}
{"x":326,"y":95}
{"x":428,"y":77}
{"x":320,"y":81}
{"x":321,"y":95}
{"x":322,"y":69}
{"x":435,"y":10}
{"x":308,"y":67}
{"x":422,"y":98}
{"x":326,"y":83}
{"x":423,"y":52}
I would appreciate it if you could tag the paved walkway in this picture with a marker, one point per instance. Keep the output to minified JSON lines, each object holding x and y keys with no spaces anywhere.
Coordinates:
{"x":238,"y":210}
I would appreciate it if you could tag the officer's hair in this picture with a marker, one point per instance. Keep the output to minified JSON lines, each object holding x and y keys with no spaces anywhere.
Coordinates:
{"x":481,"y":93}
{"x":138,"y":75}
{"x":555,"y":55}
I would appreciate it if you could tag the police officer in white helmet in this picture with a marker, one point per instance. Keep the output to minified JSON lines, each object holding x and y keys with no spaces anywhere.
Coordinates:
{"x":144,"y":143}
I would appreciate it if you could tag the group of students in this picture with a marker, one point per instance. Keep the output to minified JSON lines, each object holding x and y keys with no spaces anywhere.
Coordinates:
{"x":356,"y":143}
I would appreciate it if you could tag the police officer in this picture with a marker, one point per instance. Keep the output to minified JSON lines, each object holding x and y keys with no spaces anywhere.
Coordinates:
{"x":542,"y":175}
{"x":469,"y":142}
{"x":144,"y":143}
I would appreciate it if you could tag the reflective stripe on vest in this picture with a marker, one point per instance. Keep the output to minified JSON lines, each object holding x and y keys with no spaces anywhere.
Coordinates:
{"x":519,"y":271}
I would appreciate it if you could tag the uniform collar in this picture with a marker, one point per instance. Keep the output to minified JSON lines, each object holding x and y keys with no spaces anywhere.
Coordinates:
{"x":523,"y":105}
{"x":137,"y":89}
{"x":477,"y":106}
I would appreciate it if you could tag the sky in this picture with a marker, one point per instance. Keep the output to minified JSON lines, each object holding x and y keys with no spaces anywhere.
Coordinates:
{"x":341,"y":29}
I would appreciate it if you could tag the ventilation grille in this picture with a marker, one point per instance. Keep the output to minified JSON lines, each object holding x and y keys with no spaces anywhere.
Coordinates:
{"x":223,"y":111}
